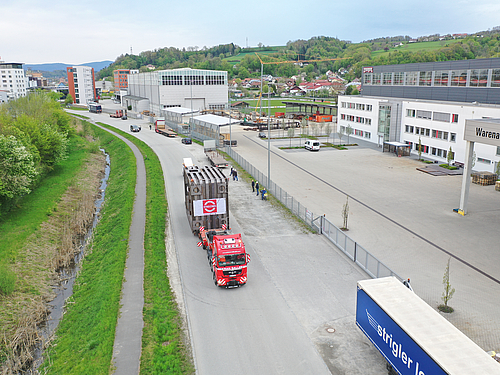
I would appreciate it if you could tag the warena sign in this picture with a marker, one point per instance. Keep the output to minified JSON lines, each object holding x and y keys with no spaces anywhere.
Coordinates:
{"x":485,"y":131}
{"x":206,"y":207}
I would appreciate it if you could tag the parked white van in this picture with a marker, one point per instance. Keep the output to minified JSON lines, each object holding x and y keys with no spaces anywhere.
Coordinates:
{"x":312,"y":145}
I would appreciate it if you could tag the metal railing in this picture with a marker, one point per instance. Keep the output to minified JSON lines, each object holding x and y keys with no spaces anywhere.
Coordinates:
{"x":357,"y":253}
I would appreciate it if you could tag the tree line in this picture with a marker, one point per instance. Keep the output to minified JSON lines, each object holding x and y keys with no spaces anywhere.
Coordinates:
{"x":351,"y":57}
{"x":34,"y":134}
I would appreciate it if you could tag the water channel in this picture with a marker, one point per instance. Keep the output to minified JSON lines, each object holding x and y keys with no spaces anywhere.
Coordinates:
{"x":67,"y":276}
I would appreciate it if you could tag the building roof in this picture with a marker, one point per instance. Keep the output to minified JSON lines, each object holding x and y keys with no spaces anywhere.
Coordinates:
{"x":213,"y":119}
{"x":180,"y":110}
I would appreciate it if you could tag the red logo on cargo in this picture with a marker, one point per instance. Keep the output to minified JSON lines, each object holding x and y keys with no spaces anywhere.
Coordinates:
{"x":209,"y":206}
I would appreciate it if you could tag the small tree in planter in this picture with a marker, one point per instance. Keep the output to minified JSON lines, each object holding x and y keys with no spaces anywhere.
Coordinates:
{"x":328,"y":130}
{"x":345,"y":213}
{"x":449,"y":157}
{"x":448,"y":291}
{"x":419,"y":149}
{"x":340,"y":134}
{"x":348,"y":131}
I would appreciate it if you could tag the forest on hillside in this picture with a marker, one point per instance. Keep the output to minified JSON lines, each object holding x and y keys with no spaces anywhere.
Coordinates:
{"x":350,"y":56}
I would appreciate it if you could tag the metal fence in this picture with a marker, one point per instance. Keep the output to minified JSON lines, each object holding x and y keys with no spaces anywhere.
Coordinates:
{"x":320,"y":224}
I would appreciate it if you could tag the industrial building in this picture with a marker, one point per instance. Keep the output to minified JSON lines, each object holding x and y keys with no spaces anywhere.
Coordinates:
{"x":428,"y":103}
{"x":189,"y":88}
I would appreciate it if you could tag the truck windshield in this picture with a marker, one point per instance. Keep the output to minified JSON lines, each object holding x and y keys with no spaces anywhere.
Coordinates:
{"x":231,"y":260}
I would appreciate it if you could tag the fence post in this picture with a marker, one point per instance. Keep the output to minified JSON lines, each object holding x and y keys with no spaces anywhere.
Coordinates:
{"x":355,"y":251}
{"x":321,"y":225}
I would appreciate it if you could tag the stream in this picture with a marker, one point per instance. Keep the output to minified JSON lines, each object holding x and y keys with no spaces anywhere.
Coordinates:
{"x":67,"y":277}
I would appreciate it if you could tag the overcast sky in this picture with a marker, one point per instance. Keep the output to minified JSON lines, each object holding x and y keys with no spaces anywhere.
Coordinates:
{"x":34,"y":31}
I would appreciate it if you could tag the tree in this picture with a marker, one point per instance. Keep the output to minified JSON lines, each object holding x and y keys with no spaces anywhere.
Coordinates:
{"x":419,"y":149}
{"x":448,"y":290}
{"x":340,"y":134}
{"x":345,"y":213}
{"x":449,"y":157}
{"x":17,"y":168}
{"x":328,"y":130}
{"x":291,"y":132}
{"x":68,"y":100}
{"x":348,"y":131}
{"x":303,"y":125}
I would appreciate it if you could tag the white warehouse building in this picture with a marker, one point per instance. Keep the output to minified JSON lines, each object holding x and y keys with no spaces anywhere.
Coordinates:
{"x":429,"y":102}
{"x":189,"y":88}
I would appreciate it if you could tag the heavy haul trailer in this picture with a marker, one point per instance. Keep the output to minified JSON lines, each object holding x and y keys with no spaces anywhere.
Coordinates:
{"x":206,"y":198}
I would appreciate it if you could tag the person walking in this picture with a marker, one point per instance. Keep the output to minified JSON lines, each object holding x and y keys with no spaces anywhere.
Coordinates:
{"x":253,"y":186}
{"x":232,"y":173}
{"x":257,"y":187}
{"x":235,"y":174}
{"x":263,"y":192}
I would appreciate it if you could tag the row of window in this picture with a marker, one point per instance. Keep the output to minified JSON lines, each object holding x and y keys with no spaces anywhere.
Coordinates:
{"x":429,"y":115}
{"x":447,"y":78}
{"x":433,"y":133}
{"x":358,"y":106}
{"x":430,"y":150}
{"x":177,"y":80}
{"x":358,"y":132}
{"x":358,"y":119}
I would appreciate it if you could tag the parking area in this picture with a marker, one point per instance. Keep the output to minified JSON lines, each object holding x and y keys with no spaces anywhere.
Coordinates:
{"x":402,"y":216}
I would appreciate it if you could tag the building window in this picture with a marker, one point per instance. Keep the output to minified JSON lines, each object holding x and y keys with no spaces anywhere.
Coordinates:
{"x":485,"y":161}
{"x":369,"y":107}
{"x":441,"y":78}
{"x":399,"y":78}
{"x":411,"y":78}
{"x":368,"y":121}
{"x":368,"y":135}
{"x":453,"y":137}
{"x":408,"y":129}
{"x":410,"y":113}
{"x":478,"y":78}
{"x":495,"y":78}
{"x":441,"y":116}
{"x":427,"y":132}
{"x":367,"y":79}
{"x":425,"y":79}
{"x":498,"y":150}
{"x":424,"y":114}
{"x":459,"y":78}
{"x":387,"y":79}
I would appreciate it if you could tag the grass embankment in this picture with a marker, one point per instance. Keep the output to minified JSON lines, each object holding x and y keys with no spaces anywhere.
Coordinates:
{"x":86,"y":335}
{"x":30,"y":244}
{"x":163,"y":348}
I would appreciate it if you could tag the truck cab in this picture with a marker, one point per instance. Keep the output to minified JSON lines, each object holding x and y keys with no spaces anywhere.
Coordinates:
{"x":228,"y":260}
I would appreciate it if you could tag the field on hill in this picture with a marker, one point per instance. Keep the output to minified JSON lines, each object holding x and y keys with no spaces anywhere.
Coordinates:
{"x":415,"y":47}
{"x":251,"y":51}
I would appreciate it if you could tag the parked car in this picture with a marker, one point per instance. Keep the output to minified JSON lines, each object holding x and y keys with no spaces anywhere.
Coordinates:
{"x":312,"y":145}
{"x":135,"y":128}
{"x":187,"y":141}
{"x":262,"y":135}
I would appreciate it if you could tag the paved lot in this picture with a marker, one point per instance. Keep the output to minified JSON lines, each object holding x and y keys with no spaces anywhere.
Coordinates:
{"x":404,"y":217}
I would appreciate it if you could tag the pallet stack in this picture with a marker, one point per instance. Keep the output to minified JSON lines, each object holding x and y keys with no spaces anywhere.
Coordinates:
{"x":497,"y":185}
{"x":484,"y":178}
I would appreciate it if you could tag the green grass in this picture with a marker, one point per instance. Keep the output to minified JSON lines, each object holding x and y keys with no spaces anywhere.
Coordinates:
{"x":85,"y":336}
{"x":237,"y":58}
{"x":419,"y":46}
{"x":17,"y":225}
{"x":163,"y":351}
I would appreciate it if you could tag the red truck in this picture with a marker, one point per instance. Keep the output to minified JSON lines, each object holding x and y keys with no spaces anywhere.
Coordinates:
{"x":227,"y":257}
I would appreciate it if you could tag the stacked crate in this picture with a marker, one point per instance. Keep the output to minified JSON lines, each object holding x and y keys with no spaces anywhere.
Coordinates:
{"x":484,"y":178}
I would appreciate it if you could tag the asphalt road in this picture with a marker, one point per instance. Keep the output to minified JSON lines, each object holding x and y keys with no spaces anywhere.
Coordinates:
{"x":296,"y":313}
